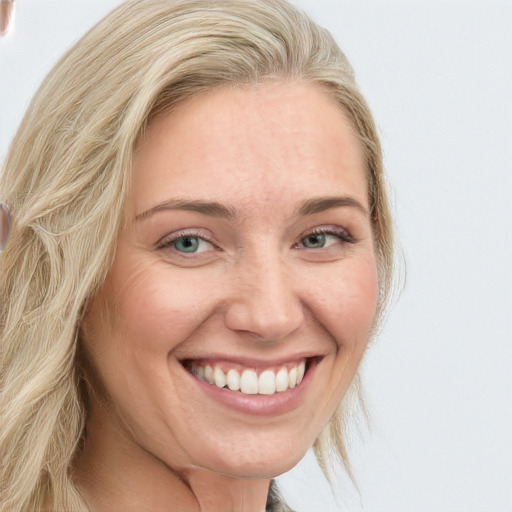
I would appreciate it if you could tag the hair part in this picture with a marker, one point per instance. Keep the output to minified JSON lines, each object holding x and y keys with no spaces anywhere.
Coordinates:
{"x":66,"y":177}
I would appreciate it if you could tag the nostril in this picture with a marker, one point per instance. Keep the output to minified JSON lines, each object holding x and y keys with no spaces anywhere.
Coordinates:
{"x":265,"y":321}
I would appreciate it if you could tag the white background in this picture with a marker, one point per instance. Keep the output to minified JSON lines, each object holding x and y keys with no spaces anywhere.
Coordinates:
{"x":438,"y":77}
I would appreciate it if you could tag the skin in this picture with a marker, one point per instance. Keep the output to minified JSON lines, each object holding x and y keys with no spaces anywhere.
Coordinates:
{"x":255,"y":291}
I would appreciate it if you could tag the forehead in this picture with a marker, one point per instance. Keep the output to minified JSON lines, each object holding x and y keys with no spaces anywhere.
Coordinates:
{"x":254,"y":147}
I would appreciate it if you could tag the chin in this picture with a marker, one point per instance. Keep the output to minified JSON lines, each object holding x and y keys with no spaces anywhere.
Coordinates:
{"x":263,"y":461}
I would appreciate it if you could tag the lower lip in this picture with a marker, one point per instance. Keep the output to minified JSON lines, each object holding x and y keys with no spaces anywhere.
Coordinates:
{"x":265,"y":405}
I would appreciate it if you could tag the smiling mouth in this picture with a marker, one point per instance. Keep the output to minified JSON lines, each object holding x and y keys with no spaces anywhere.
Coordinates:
{"x":250,"y":381}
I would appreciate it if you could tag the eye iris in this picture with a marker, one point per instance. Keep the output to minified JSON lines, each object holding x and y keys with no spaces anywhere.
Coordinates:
{"x":187,"y":244}
{"x":314,"y":241}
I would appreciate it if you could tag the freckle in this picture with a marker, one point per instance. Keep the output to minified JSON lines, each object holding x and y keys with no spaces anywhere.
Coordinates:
{"x":5,"y":225}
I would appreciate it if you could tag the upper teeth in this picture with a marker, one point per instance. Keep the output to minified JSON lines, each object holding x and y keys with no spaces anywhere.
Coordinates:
{"x":249,"y":382}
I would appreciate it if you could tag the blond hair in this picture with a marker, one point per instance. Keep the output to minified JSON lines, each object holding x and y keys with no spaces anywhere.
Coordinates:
{"x":65,"y":179}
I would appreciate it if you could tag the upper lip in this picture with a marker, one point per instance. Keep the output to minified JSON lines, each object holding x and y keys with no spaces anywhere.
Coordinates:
{"x":251,"y":362}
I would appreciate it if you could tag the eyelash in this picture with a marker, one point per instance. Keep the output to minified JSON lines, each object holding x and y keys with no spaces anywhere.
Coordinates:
{"x":336,"y":231}
{"x":168,"y":241}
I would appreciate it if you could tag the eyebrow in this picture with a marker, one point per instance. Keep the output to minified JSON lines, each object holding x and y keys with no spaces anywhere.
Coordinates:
{"x":210,"y":208}
{"x":322,"y":204}
{"x":216,"y":209}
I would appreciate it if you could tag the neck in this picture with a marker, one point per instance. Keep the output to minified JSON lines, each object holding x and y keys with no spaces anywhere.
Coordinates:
{"x":218,"y":493}
{"x":114,"y":473}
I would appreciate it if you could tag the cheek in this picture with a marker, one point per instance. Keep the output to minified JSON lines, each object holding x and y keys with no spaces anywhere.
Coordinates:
{"x":352,"y":304}
{"x":158,"y":311}
{"x":151,"y":312}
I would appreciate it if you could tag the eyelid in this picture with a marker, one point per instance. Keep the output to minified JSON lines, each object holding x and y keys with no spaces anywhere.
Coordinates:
{"x":168,"y":239}
{"x":338,"y":231}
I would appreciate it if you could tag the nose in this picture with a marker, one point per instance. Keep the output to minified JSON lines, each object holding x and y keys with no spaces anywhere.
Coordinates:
{"x":264,"y":302}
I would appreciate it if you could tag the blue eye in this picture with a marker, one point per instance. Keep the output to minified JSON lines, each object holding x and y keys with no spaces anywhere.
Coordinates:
{"x":187,"y":244}
{"x":325,"y":237}
{"x":314,"y":241}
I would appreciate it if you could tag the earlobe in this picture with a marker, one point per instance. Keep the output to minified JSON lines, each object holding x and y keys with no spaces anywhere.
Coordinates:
{"x":6,"y":16}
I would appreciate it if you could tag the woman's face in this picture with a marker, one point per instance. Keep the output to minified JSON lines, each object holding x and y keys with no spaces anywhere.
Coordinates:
{"x":248,"y":256}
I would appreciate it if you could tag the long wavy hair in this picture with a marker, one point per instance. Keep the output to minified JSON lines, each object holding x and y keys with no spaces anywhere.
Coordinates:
{"x":65,"y":178}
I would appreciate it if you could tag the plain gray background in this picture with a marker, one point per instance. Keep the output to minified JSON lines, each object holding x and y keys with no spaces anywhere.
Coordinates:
{"x":438,"y":78}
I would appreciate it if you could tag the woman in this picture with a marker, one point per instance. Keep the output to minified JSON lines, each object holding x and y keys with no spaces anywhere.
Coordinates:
{"x":201,"y":252}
